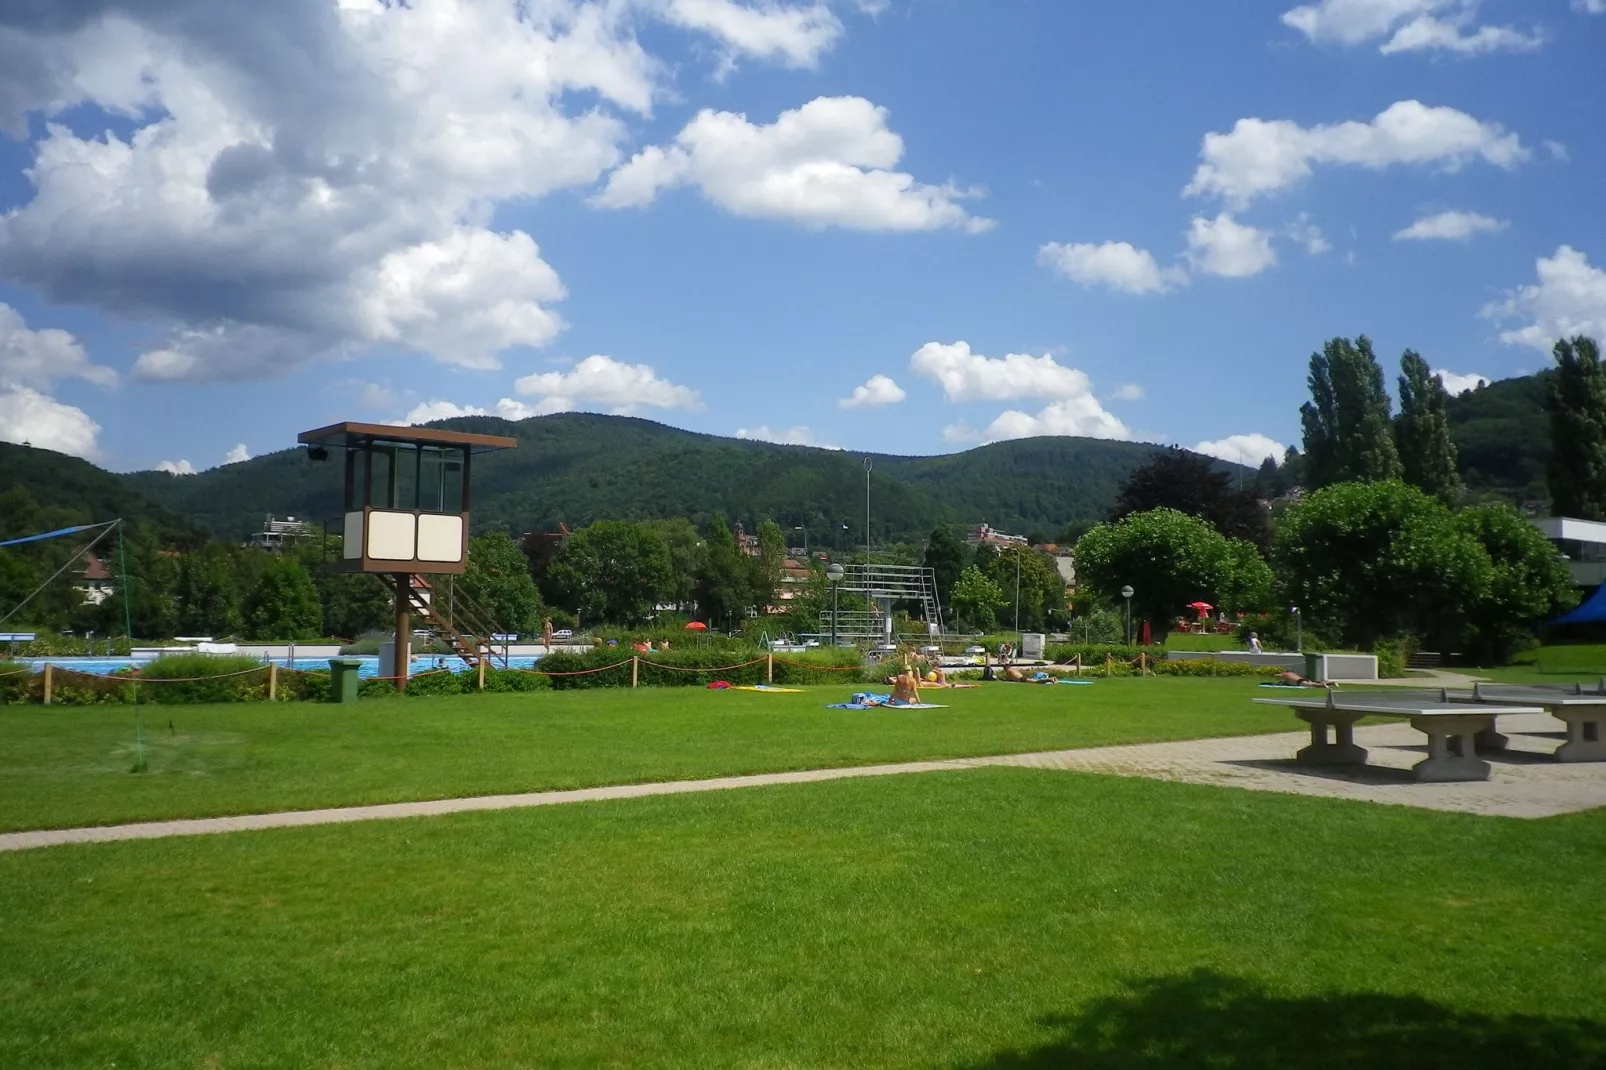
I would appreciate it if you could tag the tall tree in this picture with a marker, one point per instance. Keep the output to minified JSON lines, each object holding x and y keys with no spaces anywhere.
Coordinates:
{"x":1531,"y":582}
{"x":977,"y":599}
{"x":1422,"y":431}
{"x":946,"y":555}
{"x":208,"y":601}
{"x":1041,"y":587}
{"x":723,"y":582}
{"x":1168,"y":558}
{"x":613,"y":571}
{"x":685,"y":546}
{"x":1346,"y":421}
{"x":283,"y":603}
{"x":498,"y":581}
{"x":1191,"y":483}
{"x":1576,"y":399}
{"x":1367,"y":561}
{"x":769,"y":567}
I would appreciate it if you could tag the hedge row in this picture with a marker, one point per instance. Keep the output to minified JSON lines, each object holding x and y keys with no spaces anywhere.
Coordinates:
{"x":697,"y":668}
{"x":83,"y":689}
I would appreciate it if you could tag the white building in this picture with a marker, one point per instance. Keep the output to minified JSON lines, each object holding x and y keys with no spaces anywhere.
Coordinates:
{"x":1583,"y":542}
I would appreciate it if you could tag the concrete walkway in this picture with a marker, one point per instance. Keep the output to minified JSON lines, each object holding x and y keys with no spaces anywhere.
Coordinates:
{"x":1525,"y":781}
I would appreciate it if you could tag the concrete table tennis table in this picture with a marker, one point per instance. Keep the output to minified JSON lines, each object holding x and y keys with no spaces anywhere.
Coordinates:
{"x":1454,"y":729}
{"x":1582,"y":710}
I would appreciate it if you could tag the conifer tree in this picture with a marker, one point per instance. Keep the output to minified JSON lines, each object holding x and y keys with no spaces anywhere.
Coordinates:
{"x":1576,"y":398}
{"x":1346,"y":422}
{"x":1422,"y":431}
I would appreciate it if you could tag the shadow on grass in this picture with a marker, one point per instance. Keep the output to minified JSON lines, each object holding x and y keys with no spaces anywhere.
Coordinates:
{"x":1209,"y":1020}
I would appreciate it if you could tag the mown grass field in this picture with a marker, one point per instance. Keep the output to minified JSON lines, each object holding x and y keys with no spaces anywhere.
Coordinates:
{"x":71,"y":766}
{"x":1000,"y":918}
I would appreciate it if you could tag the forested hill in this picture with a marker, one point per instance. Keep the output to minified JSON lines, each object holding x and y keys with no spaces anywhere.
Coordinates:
{"x":574,"y":468}
{"x":61,"y":490}
{"x":1502,"y":434}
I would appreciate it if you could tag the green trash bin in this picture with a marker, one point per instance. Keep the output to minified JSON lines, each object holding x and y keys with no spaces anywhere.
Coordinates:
{"x":343,"y":679}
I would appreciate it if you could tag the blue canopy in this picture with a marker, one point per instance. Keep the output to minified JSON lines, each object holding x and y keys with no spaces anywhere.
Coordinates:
{"x":53,"y":534}
{"x":1593,"y":609}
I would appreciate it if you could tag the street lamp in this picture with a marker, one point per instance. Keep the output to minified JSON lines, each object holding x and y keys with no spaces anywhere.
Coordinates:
{"x":1127,"y":593}
{"x":867,"y":467}
{"x":834,"y":574}
{"x":1299,"y":630}
{"x":1017,"y":588}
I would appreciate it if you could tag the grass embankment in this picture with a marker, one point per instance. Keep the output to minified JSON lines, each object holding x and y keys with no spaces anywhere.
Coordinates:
{"x":991,"y":918}
{"x":64,"y":767}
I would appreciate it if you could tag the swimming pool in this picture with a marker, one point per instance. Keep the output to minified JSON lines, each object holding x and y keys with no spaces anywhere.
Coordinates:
{"x":368,"y":668}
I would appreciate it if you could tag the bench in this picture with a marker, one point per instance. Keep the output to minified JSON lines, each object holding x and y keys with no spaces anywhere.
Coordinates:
{"x":1456,"y":731}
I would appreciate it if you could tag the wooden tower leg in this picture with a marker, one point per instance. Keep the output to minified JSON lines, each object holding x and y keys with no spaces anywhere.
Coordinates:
{"x":404,"y":629}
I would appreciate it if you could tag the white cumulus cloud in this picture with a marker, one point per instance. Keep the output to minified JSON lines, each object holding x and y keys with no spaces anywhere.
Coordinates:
{"x":179,"y":467}
{"x":788,"y":436}
{"x":1409,"y":26}
{"x":1223,"y":246}
{"x":600,"y":382}
{"x":1450,"y":226}
{"x":31,"y":361}
{"x":1459,"y":384}
{"x":1308,"y":234}
{"x":1128,"y":392}
{"x":1116,"y":264}
{"x":1569,"y":299}
{"x":968,"y":376}
{"x":827,"y":164}
{"x":27,"y":416}
{"x":1249,"y":449}
{"x":875,"y":392}
{"x":1260,"y":156}
{"x":271,"y":183}
{"x":237,"y":454}
{"x":794,"y":36}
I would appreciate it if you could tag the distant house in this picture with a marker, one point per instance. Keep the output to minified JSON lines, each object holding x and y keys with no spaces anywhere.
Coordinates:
{"x":277,"y":532}
{"x":745,"y":543}
{"x":94,"y":581}
{"x":982,"y":535}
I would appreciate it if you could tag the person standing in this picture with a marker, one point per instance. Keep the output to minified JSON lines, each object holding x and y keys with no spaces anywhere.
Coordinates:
{"x":1254,"y":643}
{"x":546,"y":634}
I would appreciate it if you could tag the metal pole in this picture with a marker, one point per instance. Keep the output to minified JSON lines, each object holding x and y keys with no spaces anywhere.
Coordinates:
{"x":1129,"y":622}
{"x":833,"y":616}
{"x":1017,"y":588}
{"x":867,"y":466}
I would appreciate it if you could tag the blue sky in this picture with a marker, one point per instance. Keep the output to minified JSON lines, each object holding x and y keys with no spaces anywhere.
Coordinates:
{"x":224,"y":225}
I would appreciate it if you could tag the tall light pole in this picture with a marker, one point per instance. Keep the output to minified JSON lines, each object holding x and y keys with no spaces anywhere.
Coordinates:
{"x":834,"y":574}
{"x":1299,"y":630}
{"x":1127,"y":593}
{"x":1017,"y":588}
{"x":867,"y":466}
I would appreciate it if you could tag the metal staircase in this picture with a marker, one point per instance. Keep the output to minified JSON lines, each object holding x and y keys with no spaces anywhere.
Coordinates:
{"x":462,"y":622}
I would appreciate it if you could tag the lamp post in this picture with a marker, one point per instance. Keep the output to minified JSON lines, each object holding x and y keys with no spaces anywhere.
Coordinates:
{"x":834,"y":574}
{"x":1127,"y":593}
{"x":1017,"y":588}
{"x":867,"y":466}
{"x":1299,"y":630}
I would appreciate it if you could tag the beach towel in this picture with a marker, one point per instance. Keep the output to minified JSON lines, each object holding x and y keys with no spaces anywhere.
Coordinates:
{"x":769,"y":689}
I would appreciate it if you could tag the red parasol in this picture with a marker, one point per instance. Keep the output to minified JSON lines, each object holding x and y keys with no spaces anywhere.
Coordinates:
{"x":1201,"y":607}
{"x":696,"y":626}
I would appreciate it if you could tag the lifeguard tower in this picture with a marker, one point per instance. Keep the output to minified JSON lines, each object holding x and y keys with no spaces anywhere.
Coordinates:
{"x":406,"y":518}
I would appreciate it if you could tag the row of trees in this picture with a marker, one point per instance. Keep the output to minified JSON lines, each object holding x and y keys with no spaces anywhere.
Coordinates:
{"x":1377,"y":549}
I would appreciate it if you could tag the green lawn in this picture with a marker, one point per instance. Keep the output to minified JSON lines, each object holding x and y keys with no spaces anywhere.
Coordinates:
{"x":71,"y":766}
{"x":997,"y":918}
{"x":1206,"y":641}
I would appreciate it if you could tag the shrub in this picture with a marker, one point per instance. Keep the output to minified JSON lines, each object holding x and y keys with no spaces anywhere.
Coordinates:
{"x":1092,"y":653}
{"x":696,"y":668}
{"x":203,"y":678}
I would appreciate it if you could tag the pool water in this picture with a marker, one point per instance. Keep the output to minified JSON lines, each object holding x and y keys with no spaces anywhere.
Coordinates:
{"x":369,"y":664}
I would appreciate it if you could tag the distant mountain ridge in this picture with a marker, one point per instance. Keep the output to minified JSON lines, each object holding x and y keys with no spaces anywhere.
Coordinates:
{"x":574,"y":468}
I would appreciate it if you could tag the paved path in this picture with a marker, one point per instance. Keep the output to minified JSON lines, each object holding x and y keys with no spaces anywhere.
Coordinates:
{"x":1524,"y":783}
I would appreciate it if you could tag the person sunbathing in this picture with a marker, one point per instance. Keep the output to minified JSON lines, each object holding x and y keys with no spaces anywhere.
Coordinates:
{"x":1293,"y":679}
{"x":905,"y":690}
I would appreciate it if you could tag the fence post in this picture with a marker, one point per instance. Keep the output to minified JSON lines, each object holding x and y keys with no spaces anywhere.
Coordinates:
{"x":482,"y":672}
{"x":47,"y":683}
{"x":634,"y":665}
{"x":1106,"y":666}
{"x":769,"y":667}
{"x":273,"y":681}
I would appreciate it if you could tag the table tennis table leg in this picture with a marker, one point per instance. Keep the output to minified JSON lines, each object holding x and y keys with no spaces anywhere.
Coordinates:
{"x":1324,"y":748}
{"x":1452,"y":750}
{"x":1586,"y":734}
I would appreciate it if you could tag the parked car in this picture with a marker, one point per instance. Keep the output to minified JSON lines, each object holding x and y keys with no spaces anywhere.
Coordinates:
{"x":563,"y":635}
